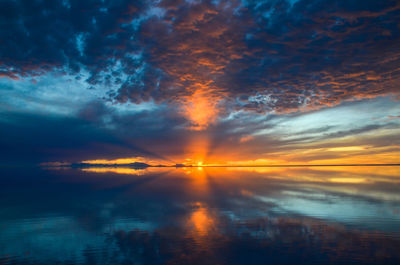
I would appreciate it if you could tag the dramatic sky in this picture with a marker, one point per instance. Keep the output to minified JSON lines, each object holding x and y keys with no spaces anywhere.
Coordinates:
{"x":250,"y":82}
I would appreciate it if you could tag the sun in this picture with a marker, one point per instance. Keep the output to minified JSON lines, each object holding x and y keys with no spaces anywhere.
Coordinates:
{"x":199,"y":164}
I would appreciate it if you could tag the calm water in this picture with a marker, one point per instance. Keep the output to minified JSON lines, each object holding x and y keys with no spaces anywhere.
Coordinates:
{"x":321,"y":215}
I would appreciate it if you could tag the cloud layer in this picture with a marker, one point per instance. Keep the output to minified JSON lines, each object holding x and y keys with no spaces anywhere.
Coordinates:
{"x":266,"y":56}
{"x":236,"y":71}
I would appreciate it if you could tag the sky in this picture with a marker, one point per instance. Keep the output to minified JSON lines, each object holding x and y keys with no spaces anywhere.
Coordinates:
{"x":200,"y":82}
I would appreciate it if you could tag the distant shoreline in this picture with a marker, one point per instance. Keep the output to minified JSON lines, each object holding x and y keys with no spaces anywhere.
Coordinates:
{"x":186,"y":166}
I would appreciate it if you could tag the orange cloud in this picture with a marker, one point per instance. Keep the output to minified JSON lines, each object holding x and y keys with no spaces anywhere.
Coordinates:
{"x":201,"y":109}
{"x":127,"y":160}
{"x":246,"y":138}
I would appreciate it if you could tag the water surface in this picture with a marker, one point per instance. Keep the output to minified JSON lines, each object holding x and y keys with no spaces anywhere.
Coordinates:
{"x":318,"y":215}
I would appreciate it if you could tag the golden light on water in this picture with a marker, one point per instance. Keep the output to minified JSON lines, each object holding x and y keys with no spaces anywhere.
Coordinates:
{"x":117,"y":170}
{"x":201,"y":221}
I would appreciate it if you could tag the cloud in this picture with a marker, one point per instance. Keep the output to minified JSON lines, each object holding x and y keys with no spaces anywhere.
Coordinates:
{"x":253,"y":78}
{"x":99,"y":131}
{"x":41,"y":36}
{"x":266,"y":57}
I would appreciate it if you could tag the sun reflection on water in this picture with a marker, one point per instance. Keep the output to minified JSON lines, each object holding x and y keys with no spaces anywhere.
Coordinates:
{"x":201,"y":221}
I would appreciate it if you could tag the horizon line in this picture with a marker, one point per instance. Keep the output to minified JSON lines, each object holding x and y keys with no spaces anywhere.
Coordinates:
{"x":299,"y":165}
{"x":182,"y":166}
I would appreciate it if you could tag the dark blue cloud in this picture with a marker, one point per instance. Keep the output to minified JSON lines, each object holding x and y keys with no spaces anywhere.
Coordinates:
{"x":41,"y":36}
{"x":274,"y":55}
{"x":97,"y":131}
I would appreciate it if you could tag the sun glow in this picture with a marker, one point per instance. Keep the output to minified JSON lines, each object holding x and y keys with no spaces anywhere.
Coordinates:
{"x":201,"y":150}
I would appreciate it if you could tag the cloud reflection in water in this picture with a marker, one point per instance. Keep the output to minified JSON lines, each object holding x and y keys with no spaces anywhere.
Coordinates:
{"x":201,"y":216}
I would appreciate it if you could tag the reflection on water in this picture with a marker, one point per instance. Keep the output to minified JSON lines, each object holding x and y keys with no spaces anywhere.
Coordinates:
{"x":319,"y":215}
